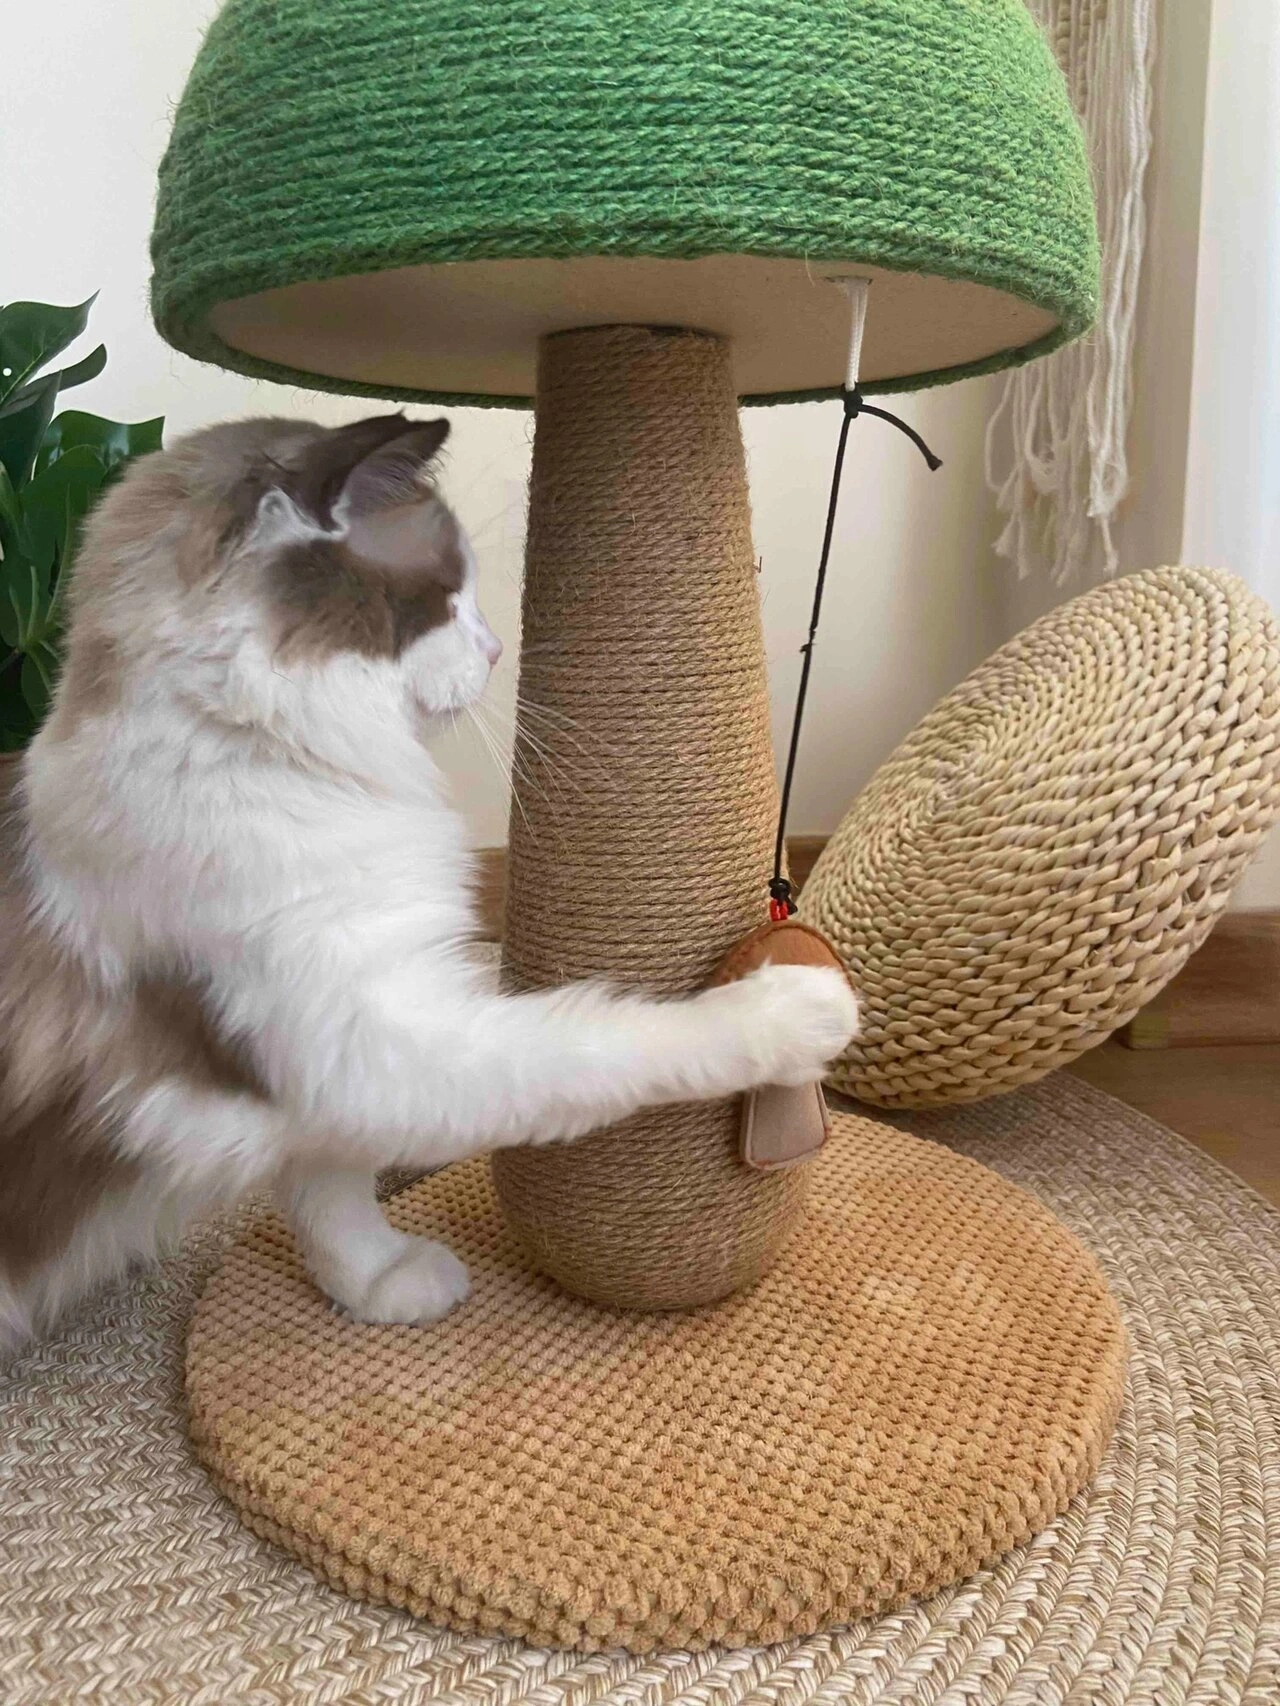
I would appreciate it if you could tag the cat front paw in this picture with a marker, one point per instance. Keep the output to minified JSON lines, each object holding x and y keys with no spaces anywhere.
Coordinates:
{"x":806,"y":1016}
{"x":422,"y":1284}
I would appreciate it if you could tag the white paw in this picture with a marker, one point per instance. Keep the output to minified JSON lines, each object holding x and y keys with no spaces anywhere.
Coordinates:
{"x":806,"y":1017}
{"x":423,"y":1283}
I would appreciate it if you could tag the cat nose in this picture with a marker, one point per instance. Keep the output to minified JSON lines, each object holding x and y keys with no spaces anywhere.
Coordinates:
{"x":491,"y":646}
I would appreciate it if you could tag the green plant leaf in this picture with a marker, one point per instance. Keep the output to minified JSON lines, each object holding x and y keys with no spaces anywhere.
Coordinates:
{"x":23,"y":423}
{"x":16,"y":724}
{"x":32,"y":333}
{"x":52,"y":471}
{"x":10,"y":514}
{"x":39,"y":677}
{"x":24,"y":596}
{"x":80,"y":372}
{"x":66,"y":377}
{"x":115,"y":441}
{"x":54,"y":504}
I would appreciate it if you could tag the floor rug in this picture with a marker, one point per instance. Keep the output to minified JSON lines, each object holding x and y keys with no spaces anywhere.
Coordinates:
{"x":124,"y":1577}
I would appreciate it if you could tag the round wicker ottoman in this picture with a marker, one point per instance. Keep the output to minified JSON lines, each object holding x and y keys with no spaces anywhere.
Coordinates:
{"x":1039,"y":858}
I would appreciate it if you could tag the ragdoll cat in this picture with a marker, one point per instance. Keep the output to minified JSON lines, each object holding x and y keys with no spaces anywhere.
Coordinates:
{"x":237,"y":911}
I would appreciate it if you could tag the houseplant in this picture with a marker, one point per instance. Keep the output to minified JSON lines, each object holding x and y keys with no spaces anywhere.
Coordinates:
{"x":52,"y":469}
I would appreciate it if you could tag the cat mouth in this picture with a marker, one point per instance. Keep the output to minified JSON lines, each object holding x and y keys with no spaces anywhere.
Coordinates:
{"x":428,"y":713}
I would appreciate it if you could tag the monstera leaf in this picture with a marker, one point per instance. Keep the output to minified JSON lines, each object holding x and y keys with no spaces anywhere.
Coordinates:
{"x":115,"y":441}
{"x":52,"y":470}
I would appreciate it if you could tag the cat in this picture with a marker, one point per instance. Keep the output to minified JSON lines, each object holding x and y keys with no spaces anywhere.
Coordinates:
{"x":236,"y":914}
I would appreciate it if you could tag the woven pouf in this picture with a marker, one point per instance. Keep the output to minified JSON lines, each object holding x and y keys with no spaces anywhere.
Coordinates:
{"x":923,"y":1380}
{"x":1040,"y":857}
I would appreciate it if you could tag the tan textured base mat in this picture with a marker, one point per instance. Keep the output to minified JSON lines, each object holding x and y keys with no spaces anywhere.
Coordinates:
{"x":927,"y":1376}
{"x":125,"y":1579}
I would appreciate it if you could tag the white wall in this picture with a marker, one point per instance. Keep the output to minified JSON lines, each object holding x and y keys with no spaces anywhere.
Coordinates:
{"x":1231,"y":512}
{"x":913,"y":599}
{"x":1232,"y":509}
{"x":1204,"y":441}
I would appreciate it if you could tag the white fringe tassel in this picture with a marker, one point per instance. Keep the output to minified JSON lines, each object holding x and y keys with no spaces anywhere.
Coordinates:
{"x":1055,"y":452}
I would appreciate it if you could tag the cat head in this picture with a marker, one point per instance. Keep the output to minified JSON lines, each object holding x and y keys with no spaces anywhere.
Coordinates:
{"x":291,"y":571}
{"x":355,"y":553}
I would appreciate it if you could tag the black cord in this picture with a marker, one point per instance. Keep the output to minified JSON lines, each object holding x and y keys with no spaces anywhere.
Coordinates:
{"x":779,"y":888}
{"x":853,"y":400}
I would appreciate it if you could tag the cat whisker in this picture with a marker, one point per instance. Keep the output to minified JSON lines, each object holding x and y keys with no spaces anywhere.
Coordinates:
{"x":521,"y":777}
{"x":500,"y":764}
{"x":558,"y":721}
{"x":534,"y":727}
{"x":552,"y":714}
{"x":562,"y":768}
{"x":519,"y":772}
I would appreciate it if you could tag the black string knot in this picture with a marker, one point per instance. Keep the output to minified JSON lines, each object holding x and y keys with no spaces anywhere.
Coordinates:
{"x":855,"y":405}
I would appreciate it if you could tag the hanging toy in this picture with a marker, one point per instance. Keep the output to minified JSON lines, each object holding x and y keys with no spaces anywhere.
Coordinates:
{"x":783,"y":1125}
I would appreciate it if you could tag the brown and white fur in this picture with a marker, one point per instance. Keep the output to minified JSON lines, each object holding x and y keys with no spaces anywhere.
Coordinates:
{"x":236,"y":910}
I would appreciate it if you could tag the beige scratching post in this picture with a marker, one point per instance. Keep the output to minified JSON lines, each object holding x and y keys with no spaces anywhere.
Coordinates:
{"x":645,"y":863}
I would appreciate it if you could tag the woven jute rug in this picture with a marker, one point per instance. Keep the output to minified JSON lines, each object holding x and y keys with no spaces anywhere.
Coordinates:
{"x":124,"y":1577}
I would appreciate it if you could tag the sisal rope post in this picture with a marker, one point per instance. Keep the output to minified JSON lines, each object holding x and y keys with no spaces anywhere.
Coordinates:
{"x":641,"y":835}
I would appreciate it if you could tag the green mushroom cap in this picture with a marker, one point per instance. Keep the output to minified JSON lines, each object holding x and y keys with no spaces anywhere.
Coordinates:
{"x":397,"y":198}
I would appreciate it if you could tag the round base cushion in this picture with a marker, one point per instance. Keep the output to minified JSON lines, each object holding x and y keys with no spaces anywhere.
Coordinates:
{"x":1040,"y":857}
{"x":928,"y":1375}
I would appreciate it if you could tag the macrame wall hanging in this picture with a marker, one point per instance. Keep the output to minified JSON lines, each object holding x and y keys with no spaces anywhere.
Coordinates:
{"x":1056,"y":442}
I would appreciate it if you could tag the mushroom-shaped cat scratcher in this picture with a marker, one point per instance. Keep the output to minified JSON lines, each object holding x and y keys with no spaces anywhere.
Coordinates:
{"x":629,"y":213}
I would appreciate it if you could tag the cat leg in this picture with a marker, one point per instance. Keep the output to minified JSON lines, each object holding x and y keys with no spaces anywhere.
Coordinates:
{"x":130,"y":1186}
{"x":404,"y":1067}
{"x":357,"y":1257}
{"x":214,"y":1147}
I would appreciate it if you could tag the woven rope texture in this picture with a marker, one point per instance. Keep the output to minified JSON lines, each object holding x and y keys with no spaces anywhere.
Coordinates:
{"x":1039,"y":858}
{"x":928,"y":1375}
{"x":125,"y":1579}
{"x":321,"y":138}
{"x":642,"y":834}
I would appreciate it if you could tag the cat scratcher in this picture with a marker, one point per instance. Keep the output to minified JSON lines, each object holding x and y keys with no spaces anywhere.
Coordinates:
{"x":636,"y":216}
{"x":927,"y":1376}
{"x":629,"y":215}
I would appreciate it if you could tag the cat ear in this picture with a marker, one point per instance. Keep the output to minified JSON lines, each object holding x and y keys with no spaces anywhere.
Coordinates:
{"x":364,"y":463}
{"x":393,"y":473}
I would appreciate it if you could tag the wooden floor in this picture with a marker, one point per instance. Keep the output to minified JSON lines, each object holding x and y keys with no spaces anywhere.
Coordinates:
{"x":1227,"y":1100}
